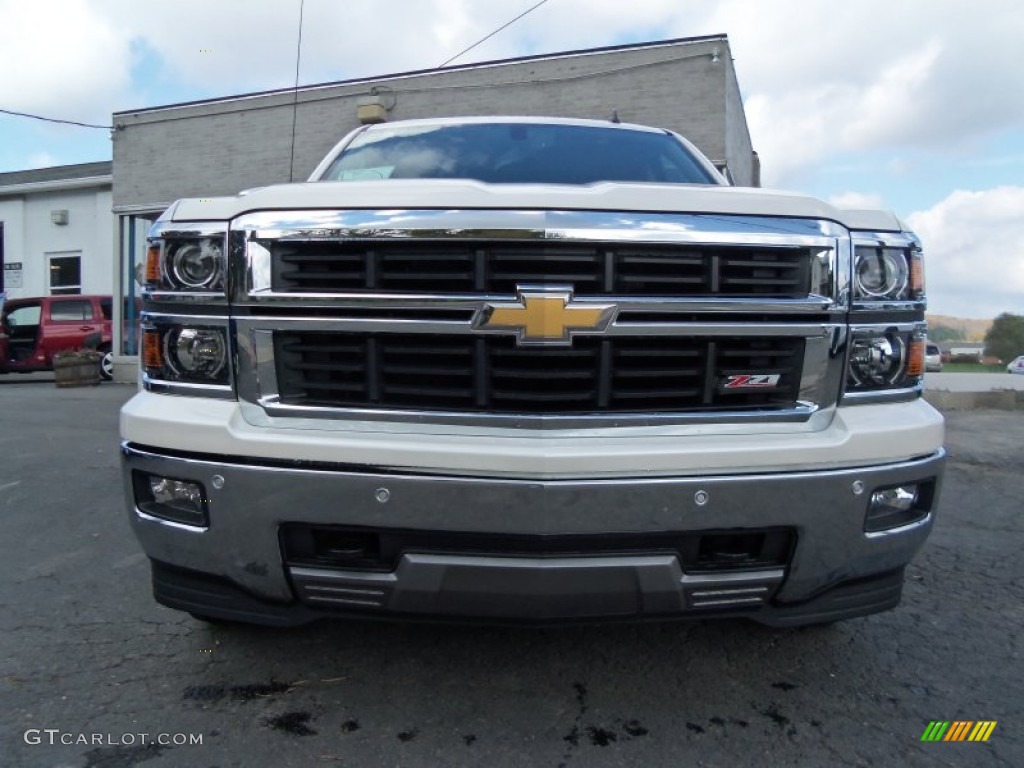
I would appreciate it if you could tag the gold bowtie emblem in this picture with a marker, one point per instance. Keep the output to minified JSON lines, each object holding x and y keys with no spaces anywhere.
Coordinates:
{"x":548,"y":317}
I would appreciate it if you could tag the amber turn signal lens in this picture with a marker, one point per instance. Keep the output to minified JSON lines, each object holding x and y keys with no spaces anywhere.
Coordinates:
{"x":915,"y":358}
{"x":152,"y":355}
{"x":153,"y":265}
{"x":916,"y":275}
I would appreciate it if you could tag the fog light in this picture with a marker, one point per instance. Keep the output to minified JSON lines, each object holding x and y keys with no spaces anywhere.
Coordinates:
{"x":895,"y":507}
{"x":181,"y":501}
{"x":167,"y":491}
{"x":900,"y":499}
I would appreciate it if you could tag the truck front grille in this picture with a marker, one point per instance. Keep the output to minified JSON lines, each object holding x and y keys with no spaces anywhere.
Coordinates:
{"x":490,"y":374}
{"x":440,"y":269}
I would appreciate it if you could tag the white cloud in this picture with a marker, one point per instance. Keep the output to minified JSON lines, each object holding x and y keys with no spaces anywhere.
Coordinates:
{"x":824,"y":78}
{"x":62,"y":59}
{"x":889,"y":108}
{"x":41,"y":160}
{"x":974,"y":246}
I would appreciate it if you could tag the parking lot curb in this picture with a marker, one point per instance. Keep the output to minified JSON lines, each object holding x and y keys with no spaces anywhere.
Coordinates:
{"x":997,"y":399}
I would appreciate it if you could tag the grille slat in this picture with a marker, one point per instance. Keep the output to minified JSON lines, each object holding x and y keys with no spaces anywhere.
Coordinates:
{"x":542,"y":397}
{"x":643,"y":373}
{"x":455,"y":392}
{"x":335,"y":386}
{"x":540,"y":375}
{"x":673,"y":279}
{"x":753,"y":281}
{"x":441,"y":269}
{"x":490,"y":374}
{"x":647,"y":394}
{"x":426,"y":370}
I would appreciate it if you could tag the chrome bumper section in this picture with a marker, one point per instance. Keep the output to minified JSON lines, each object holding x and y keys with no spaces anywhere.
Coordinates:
{"x":241,"y":551}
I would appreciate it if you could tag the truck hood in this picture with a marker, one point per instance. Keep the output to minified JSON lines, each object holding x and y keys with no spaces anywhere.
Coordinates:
{"x":443,"y":194}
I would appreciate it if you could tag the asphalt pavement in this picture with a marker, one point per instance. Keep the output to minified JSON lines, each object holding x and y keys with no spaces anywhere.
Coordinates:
{"x":89,"y":663}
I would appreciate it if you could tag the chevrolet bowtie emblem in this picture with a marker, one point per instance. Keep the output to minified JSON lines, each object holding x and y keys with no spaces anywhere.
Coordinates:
{"x":544,"y":317}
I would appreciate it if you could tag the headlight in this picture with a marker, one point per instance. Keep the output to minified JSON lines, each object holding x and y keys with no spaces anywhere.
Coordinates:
{"x":885,"y":359}
{"x":883,"y":273}
{"x":196,"y":353}
{"x":187,"y":261}
{"x":878,"y":361}
{"x":186,"y":354}
{"x":197,"y":264}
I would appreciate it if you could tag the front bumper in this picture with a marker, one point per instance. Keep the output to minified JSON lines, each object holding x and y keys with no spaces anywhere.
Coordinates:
{"x":235,"y":567}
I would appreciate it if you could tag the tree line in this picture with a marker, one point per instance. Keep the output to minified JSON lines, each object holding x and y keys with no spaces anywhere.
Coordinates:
{"x":1005,"y":339}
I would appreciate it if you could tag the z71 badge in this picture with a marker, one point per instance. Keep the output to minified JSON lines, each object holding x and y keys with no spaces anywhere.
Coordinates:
{"x":752,"y":381}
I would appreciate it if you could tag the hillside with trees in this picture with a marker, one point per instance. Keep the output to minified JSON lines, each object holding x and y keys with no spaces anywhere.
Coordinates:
{"x":942,"y":328}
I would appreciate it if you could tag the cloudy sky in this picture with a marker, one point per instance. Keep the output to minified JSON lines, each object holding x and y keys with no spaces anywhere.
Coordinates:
{"x":914,"y":105}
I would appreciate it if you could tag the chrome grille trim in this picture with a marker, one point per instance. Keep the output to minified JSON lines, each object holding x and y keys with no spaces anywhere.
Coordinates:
{"x":826,"y":243}
{"x":817,"y":317}
{"x":445,"y":373}
{"x":260,"y":393}
{"x":498,"y":267}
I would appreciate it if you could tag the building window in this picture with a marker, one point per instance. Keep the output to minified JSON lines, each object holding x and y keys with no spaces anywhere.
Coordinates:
{"x":65,"y":274}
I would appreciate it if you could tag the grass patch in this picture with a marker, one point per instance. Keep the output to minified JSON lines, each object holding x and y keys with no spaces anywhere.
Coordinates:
{"x":972,"y":368}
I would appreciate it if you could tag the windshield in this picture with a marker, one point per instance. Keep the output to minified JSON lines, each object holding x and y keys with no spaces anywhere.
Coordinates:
{"x":517,"y":153}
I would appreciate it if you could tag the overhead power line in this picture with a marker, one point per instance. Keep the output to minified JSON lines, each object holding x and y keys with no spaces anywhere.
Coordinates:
{"x":56,"y":120}
{"x":295,"y":92}
{"x":488,"y":37}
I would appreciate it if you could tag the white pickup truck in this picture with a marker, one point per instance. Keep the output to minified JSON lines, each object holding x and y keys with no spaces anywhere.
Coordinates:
{"x":529,"y":369}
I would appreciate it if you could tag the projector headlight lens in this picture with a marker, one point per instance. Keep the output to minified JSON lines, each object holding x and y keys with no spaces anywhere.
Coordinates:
{"x":877,"y":361}
{"x":197,"y":264}
{"x":882,"y":273}
{"x":196,"y":353}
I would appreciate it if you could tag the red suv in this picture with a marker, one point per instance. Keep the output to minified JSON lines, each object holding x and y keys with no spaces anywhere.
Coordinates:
{"x":33,"y":330}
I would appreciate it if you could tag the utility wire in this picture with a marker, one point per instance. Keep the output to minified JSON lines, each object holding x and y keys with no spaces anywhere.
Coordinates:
{"x":499,"y":29}
{"x":56,"y":120}
{"x":295,"y":100}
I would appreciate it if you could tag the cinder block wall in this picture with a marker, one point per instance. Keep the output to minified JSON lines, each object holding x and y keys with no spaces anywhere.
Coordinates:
{"x":220,"y":147}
